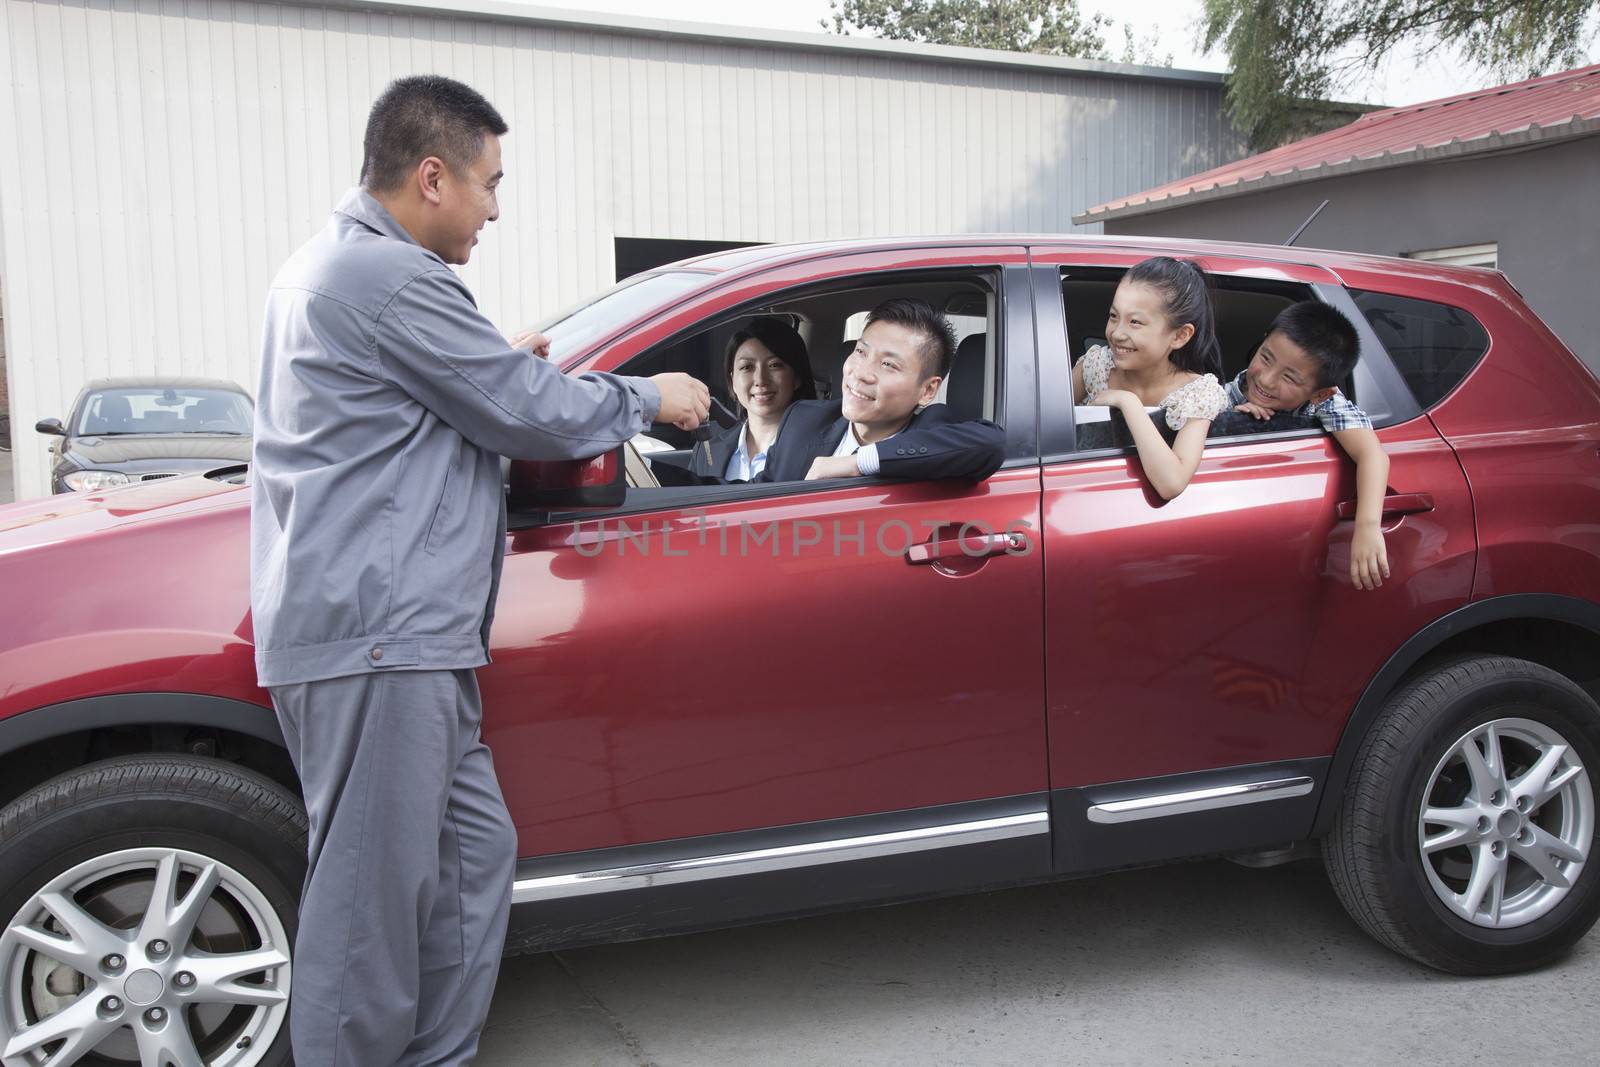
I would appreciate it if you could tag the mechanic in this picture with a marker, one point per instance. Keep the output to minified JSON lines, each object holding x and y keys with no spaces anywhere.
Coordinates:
{"x":377,"y":530}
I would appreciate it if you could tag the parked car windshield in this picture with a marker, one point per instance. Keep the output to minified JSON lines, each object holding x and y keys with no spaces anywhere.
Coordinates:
{"x":174,"y":410}
{"x":571,"y":329}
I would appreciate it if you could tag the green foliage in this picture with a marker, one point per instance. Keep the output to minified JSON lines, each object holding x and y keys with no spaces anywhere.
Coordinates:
{"x":1286,"y":54}
{"x":1146,"y":51}
{"x":1048,"y":27}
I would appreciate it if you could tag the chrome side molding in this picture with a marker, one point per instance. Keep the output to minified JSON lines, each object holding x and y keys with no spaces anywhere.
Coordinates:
{"x":1222,"y":796}
{"x":780,"y":858}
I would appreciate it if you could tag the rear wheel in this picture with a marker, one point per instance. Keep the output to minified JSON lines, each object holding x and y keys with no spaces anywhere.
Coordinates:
{"x":149,"y":908}
{"x":1465,"y":835}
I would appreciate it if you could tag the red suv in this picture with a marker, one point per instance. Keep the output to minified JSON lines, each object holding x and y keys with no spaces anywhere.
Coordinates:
{"x":719,"y":704}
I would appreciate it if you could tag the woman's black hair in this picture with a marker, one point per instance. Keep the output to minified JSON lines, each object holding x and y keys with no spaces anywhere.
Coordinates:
{"x":1186,"y":298}
{"x":783,"y":341}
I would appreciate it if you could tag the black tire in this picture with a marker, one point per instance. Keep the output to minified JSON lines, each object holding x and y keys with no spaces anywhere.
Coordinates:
{"x":218,"y":810}
{"x":1373,"y":855}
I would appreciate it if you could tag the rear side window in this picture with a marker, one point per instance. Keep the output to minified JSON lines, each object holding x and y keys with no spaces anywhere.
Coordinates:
{"x":1433,"y":346}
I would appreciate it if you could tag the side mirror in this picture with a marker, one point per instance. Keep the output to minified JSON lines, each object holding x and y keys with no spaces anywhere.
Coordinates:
{"x":52,"y":427}
{"x":568,"y":485}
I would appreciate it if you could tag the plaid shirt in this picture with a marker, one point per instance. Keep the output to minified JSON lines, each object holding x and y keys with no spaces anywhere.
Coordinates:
{"x":1335,"y":413}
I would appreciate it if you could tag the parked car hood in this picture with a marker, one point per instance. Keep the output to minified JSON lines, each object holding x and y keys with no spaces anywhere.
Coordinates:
{"x":188,"y":451}
{"x":71,"y":516}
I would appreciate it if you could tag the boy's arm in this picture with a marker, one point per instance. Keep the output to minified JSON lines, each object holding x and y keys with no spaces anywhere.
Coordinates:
{"x":1369,"y":558}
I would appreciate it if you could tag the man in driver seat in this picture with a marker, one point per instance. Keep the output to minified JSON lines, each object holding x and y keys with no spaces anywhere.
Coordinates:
{"x":885,"y":421}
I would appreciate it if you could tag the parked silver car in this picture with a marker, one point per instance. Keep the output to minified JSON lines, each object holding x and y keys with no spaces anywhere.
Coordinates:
{"x":124,"y":430}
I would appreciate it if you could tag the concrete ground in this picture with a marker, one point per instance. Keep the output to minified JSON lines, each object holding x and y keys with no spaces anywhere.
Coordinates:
{"x":1205,"y":963}
{"x":5,"y":477}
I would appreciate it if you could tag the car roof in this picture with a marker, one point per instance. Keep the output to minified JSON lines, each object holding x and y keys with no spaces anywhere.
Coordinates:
{"x":162,"y":381}
{"x":757,"y":256}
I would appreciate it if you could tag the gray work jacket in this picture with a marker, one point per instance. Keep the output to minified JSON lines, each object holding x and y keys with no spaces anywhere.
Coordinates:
{"x":377,"y":516}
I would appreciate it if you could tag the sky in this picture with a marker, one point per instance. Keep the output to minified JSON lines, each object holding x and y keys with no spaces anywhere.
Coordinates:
{"x":1402,"y":79}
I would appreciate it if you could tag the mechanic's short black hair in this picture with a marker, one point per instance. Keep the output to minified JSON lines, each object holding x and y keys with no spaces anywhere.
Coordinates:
{"x":938,"y":336}
{"x":421,"y":116}
{"x":783,"y":341}
{"x":1326,"y":336}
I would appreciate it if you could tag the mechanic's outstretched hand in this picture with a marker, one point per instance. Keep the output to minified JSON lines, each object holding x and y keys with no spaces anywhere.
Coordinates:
{"x":685,"y":400}
{"x":534,"y":341}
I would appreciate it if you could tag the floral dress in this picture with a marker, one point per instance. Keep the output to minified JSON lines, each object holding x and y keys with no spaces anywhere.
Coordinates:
{"x":1202,"y":398}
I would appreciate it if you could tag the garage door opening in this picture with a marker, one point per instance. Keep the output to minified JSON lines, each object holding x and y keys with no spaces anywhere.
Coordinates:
{"x":635,"y":254}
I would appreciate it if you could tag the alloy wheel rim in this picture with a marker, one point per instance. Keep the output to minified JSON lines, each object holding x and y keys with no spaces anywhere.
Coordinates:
{"x":144,"y":956}
{"x":1507,"y":822}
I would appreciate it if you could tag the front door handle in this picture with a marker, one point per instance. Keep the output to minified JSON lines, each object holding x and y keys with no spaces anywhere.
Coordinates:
{"x":970,"y":547}
{"x":1393,"y":504}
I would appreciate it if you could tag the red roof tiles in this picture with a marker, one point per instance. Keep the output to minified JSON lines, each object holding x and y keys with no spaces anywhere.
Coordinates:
{"x":1554,"y":106}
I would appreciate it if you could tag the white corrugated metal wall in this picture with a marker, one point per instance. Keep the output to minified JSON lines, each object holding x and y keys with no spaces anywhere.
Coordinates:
{"x":164,"y":156}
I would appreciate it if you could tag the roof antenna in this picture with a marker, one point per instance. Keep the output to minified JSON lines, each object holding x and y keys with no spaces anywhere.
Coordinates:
{"x":1312,"y":218}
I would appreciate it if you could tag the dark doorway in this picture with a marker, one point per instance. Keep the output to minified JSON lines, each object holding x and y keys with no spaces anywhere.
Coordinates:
{"x":635,"y":254}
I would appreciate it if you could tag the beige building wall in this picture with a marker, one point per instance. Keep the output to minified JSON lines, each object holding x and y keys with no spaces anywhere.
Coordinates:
{"x":163,"y":157}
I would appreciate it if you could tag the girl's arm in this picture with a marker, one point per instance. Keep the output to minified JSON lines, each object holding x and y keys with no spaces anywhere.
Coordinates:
{"x":1169,"y":469}
{"x":1077,"y":383}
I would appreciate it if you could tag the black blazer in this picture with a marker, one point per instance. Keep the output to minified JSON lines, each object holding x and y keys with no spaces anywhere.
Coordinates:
{"x":935,"y":445}
{"x":723,"y":445}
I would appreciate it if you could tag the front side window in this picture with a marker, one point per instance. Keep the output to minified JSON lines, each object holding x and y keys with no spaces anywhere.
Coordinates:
{"x":813,"y":329}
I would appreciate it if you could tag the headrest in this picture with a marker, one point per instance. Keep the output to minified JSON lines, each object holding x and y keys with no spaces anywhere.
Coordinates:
{"x":964,"y":393}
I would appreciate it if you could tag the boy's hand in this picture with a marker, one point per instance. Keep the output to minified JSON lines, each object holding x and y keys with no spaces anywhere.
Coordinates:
{"x":1255,"y":409}
{"x":1369,"y":558}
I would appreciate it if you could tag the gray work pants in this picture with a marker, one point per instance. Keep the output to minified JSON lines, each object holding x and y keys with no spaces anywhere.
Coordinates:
{"x":403,"y":920}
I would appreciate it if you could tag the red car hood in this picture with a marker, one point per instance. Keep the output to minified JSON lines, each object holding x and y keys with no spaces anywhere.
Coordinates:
{"x":71,"y":515}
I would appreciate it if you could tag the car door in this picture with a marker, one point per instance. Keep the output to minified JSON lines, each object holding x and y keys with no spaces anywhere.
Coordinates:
{"x":1204,"y":653}
{"x":777,"y":655}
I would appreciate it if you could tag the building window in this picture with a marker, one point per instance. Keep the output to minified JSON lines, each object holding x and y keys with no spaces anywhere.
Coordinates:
{"x":1462,"y":255}
{"x":635,"y":255}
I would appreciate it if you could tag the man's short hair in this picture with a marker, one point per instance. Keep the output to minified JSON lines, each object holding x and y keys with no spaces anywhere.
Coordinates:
{"x":938,"y":348}
{"x":1325,"y":335}
{"x":421,"y":116}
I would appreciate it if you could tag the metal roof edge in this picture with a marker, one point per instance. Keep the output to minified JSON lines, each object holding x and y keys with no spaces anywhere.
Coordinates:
{"x":1455,"y":149}
{"x":503,"y":11}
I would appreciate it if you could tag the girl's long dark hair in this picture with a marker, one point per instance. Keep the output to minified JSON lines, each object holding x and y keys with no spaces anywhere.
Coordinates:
{"x":1186,"y":298}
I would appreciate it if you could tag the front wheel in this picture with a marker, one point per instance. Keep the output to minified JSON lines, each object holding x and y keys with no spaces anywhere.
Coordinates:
{"x":1465,"y":834}
{"x":150,"y":906}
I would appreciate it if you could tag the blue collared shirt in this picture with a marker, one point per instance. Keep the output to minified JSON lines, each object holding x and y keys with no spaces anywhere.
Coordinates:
{"x":742,"y":466}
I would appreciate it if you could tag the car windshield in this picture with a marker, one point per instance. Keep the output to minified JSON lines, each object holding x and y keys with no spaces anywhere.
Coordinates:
{"x":575,"y":327}
{"x":171,"y":410}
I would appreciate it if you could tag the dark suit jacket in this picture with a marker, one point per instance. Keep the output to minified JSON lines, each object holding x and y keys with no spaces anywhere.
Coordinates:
{"x":723,"y":445}
{"x":935,"y":445}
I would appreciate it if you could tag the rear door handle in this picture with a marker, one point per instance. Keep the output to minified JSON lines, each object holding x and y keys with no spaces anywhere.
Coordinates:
{"x":973,"y":546}
{"x":1393,"y":504}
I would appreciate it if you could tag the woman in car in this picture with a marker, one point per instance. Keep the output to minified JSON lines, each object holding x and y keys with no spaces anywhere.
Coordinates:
{"x":766,"y":369}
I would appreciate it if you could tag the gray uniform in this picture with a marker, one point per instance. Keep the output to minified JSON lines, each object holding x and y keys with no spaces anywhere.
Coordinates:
{"x":377,"y":532}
